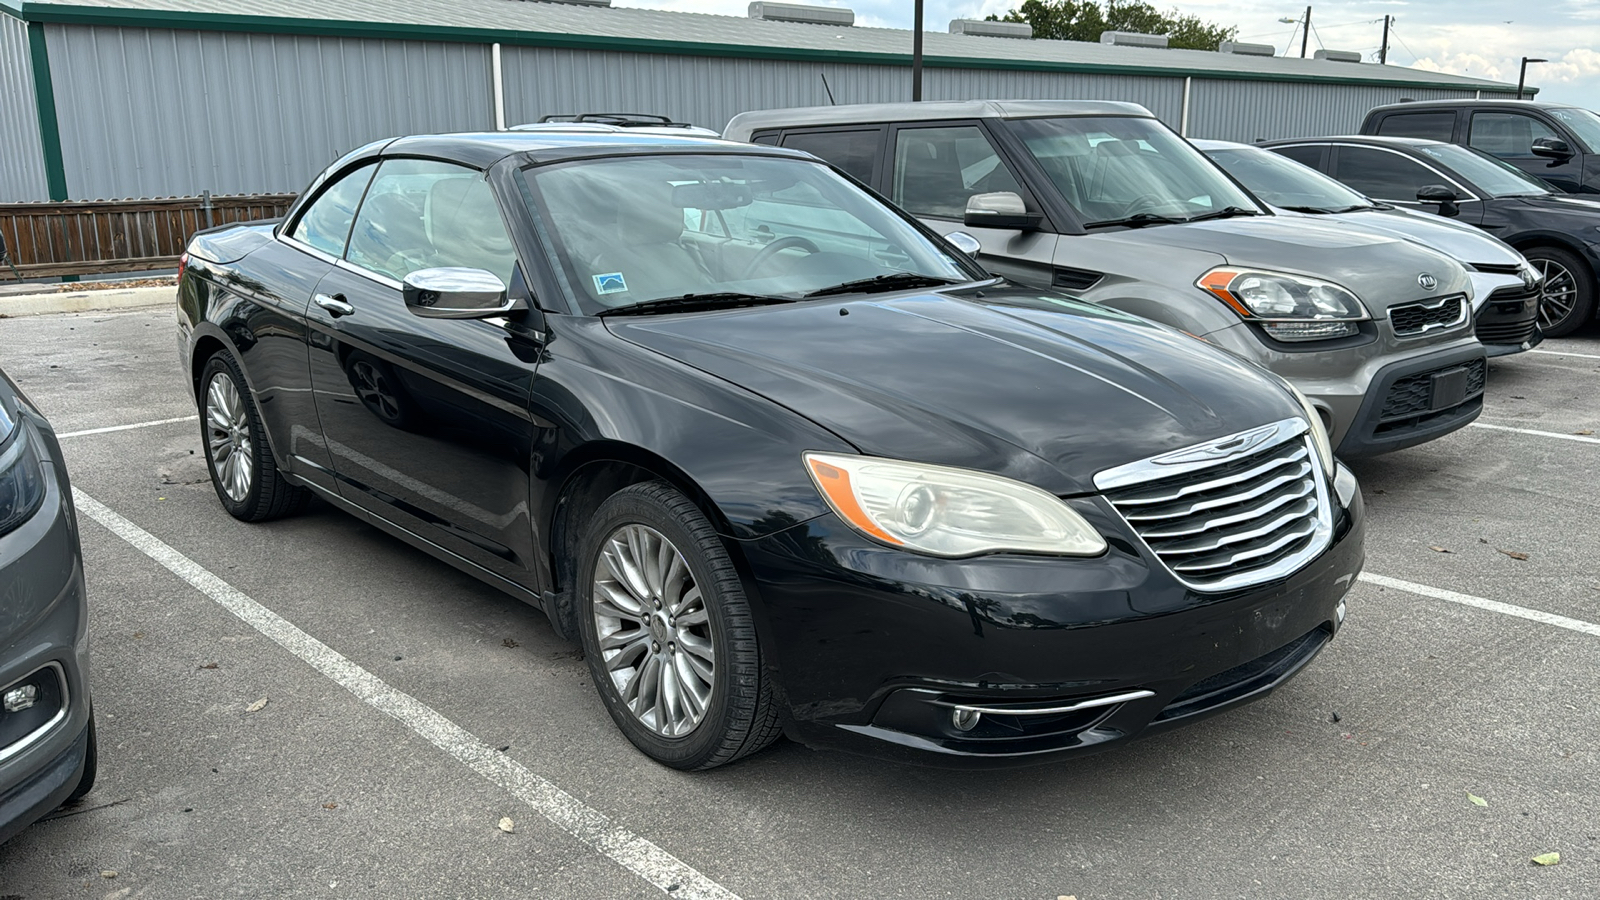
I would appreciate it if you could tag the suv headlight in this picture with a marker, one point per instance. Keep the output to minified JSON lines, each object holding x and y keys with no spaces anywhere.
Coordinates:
{"x":1288,"y":307}
{"x":1319,"y":431}
{"x":949,"y":512}
{"x":21,"y":474}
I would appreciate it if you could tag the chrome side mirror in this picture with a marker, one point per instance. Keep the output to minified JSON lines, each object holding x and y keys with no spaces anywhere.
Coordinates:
{"x":964,"y":242}
{"x":455,"y":293}
{"x":1002,"y":209}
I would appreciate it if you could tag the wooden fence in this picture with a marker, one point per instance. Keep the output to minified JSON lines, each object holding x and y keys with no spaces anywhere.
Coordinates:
{"x":91,"y":237}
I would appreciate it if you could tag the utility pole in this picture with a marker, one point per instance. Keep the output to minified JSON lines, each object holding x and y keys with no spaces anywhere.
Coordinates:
{"x":1305,"y":33}
{"x":1383,"y":52}
{"x":916,"y":53}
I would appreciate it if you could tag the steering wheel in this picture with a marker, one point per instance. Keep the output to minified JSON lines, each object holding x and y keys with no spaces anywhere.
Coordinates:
{"x":1146,"y":203}
{"x":765,"y":254}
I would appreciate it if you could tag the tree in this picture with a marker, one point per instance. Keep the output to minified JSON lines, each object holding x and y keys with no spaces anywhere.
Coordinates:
{"x":1084,"y":20}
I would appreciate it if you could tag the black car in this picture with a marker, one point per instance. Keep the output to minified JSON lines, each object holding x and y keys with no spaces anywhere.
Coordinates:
{"x":1558,"y":233}
{"x":1551,"y":141}
{"x":782,"y":459}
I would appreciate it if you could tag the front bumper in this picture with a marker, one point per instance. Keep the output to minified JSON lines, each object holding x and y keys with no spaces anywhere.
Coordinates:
{"x":876,"y":648}
{"x":43,"y":641}
{"x":1508,"y":321}
{"x":1415,"y":401}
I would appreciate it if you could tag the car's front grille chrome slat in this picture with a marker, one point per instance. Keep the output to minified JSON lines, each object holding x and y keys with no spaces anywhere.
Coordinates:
{"x":1248,"y":518}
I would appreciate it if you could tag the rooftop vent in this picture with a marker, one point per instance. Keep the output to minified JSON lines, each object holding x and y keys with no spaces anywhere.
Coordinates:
{"x":797,"y":12}
{"x":1243,"y":49}
{"x":1339,"y":55}
{"x":581,"y":2}
{"x":1133,"y":39}
{"x":991,"y":29}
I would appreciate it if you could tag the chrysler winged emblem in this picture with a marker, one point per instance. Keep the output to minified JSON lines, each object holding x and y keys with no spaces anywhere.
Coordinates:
{"x":1226,"y":448}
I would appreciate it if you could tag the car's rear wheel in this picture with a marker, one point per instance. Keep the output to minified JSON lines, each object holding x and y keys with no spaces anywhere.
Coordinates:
{"x":242,"y":469}
{"x":668,"y":632}
{"x":1568,"y":298}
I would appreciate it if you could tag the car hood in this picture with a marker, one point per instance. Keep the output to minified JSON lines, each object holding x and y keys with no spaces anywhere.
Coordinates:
{"x":1029,"y":385}
{"x":1382,"y":269}
{"x":1458,"y":240}
{"x":1563,"y":203}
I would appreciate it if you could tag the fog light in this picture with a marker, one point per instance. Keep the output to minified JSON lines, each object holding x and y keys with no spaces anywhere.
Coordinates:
{"x":20,"y":698}
{"x":965,"y":719}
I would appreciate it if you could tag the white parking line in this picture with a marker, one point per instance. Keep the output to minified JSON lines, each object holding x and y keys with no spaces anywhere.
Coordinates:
{"x":1560,"y":353}
{"x":110,"y":428}
{"x":1521,"y":612}
{"x":633,"y":852}
{"x":1549,"y":434}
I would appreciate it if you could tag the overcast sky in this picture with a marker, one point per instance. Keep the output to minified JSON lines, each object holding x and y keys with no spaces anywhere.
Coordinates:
{"x":1481,"y":38}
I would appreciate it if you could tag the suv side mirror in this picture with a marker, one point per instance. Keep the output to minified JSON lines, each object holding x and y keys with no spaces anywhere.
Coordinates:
{"x":1438,"y":193}
{"x":1002,"y":209}
{"x":1552,"y":148}
{"x":453,"y":293}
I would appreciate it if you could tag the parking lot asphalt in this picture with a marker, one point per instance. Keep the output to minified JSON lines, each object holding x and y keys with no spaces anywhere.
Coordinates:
{"x":435,"y":706}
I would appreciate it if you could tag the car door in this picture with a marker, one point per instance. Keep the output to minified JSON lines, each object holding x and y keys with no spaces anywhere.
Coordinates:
{"x":933,"y":168}
{"x":427,"y":419}
{"x":1509,"y":136}
{"x":1393,"y":177}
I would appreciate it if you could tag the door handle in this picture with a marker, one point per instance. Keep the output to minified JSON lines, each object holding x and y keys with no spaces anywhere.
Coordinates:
{"x":335,"y":305}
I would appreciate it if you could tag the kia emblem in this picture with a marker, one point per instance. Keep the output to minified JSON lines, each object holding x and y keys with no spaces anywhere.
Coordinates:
{"x":1427,"y":281}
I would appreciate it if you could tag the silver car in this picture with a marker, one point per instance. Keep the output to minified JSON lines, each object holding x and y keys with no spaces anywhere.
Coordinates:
{"x":1103,"y":200}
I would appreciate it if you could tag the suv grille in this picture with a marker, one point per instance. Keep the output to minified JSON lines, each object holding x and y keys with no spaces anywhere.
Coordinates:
{"x":1239,"y":522}
{"x":1413,"y":394}
{"x":1428,"y":315}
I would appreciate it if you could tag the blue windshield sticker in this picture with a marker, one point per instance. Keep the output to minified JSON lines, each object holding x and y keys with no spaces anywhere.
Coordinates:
{"x":610,"y":283}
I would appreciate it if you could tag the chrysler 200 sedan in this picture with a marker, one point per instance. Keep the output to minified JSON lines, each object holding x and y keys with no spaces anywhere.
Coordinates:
{"x":782,"y":459}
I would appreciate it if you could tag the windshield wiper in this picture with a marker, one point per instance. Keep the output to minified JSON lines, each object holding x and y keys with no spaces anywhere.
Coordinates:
{"x":878,"y":283}
{"x":1227,"y":212}
{"x":1313,"y":210}
{"x":691,"y":302}
{"x":1138,"y":220}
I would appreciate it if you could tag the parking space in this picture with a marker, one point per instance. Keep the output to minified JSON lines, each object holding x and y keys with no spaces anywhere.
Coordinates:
{"x":1352,"y":781}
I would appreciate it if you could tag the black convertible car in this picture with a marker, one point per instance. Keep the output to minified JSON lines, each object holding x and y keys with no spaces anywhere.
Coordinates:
{"x":1558,"y":233}
{"x":782,"y":459}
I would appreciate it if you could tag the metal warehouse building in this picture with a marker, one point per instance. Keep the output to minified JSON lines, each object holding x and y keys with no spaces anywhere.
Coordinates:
{"x":129,"y":98}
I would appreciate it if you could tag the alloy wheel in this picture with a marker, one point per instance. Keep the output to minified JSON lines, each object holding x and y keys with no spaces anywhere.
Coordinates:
{"x":374,"y":390}
{"x":228,"y":438}
{"x":1559,"y":296}
{"x":654,"y":630}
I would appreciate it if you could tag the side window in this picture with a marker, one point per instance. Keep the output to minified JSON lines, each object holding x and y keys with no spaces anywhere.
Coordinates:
{"x":937,"y":169}
{"x":769,"y":138}
{"x":1507,"y":135}
{"x":326,"y":222}
{"x":1433,"y":126}
{"x":1306,"y":155}
{"x":425,"y":214}
{"x":856,"y":152}
{"x":1383,"y":175}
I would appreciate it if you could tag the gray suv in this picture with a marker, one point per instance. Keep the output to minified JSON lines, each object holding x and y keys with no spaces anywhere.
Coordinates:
{"x":1103,"y":200}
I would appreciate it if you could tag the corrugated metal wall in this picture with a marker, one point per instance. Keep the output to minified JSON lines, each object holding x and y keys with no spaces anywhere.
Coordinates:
{"x":21,"y":158}
{"x":1265,"y":110}
{"x":149,"y":113}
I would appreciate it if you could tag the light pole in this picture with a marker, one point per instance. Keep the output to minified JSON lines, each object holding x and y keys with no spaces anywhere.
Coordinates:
{"x":1383,"y":52}
{"x":1305,"y":34}
{"x":1522,"y":74}
{"x":916,"y":52}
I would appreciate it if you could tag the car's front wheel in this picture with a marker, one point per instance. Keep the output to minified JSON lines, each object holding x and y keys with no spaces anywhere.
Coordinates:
{"x":1568,"y":298}
{"x":242,"y":468}
{"x":668,"y":632}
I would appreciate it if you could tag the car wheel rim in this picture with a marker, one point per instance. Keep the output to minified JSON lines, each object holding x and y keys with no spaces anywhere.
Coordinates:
{"x":1560,"y":295}
{"x":228,"y":438}
{"x":373,"y":389}
{"x":654,"y":631}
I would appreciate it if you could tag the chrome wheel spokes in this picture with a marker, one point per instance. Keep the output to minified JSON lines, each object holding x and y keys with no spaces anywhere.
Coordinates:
{"x":228,"y":438}
{"x":654,"y":630}
{"x":1559,"y":296}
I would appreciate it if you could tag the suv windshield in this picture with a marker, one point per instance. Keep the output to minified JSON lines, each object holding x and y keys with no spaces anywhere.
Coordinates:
{"x":625,"y":231}
{"x":1490,"y":175}
{"x":1115,"y":168}
{"x":1583,"y":123}
{"x":1285,"y":183}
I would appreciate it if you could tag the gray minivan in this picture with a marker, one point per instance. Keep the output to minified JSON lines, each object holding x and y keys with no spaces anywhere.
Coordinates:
{"x":1104,"y":201}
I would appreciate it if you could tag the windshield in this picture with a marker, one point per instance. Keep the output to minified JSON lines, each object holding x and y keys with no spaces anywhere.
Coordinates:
{"x":1489,"y":175}
{"x":1111,"y":168}
{"x":626,"y":231}
{"x":1584,"y":124}
{"x":1285,"y":183}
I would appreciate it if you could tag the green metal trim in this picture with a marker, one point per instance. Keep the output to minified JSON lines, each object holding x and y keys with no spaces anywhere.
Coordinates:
{"x":44,"y":97}
{"x":187,"y":21}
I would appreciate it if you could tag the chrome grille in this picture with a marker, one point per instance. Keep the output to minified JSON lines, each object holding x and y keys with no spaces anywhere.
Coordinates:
{"x":1230,"y":522}
{"x":1414,"y":319}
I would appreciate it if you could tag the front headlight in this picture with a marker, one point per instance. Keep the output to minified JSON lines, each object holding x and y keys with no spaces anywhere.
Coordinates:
{"x":948,"y":512}
{"x":1288,"y":307}
{"x":1319,"y":432}
{"x":21,"y":474}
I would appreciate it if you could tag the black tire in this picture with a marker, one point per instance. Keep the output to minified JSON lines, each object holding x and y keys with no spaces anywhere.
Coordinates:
{"x":1579,"y":301}
{"x":91,"y":766}
{"x":269,"y":495}
{"x":740,"y":717}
